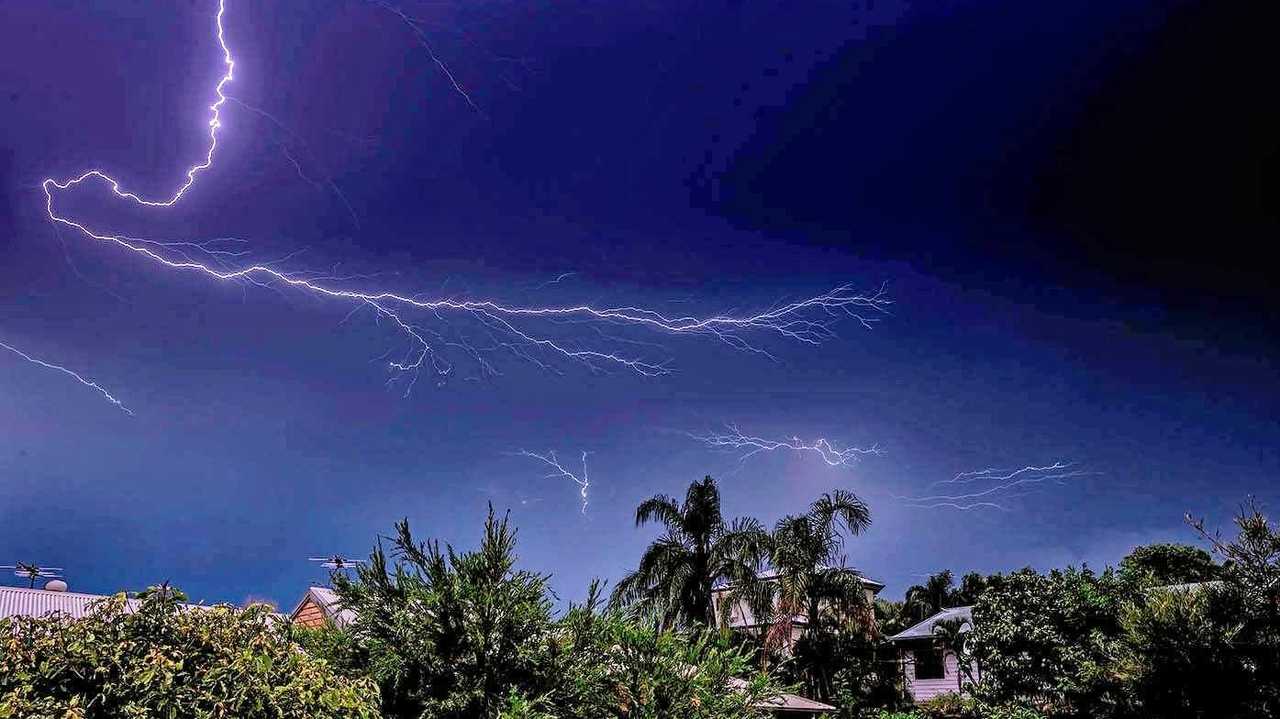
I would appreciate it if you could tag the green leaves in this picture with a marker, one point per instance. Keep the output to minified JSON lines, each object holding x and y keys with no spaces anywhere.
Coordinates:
{"x":448,"y":634}
{"x":1049,"y":639}
{"x":167,"y":660}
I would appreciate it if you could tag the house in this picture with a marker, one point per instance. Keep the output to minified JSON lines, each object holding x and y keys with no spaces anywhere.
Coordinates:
{"x":54,"y":599}
{"x":741,"y":618}
{"x":929,"y":669}
{"x":322,"y":606}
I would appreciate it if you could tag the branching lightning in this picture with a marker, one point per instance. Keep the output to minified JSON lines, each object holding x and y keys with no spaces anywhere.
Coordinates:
{"x":506,"y":326}
{"x":1009,"y":484}
{"x":295,"y":139}
{"x":733,"y":439}
{"x":1000,"y":475}
{"x":74,"y":375}
{"x":559,"y":472}
{"x":426,"y":45}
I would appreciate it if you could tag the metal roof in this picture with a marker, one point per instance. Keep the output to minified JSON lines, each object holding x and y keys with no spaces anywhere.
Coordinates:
{"x":23,"y":602}
{"x":771,"y":574}
{"x":785,"y":702}
{"x":329,"y":603}
{"x":924,"y":630}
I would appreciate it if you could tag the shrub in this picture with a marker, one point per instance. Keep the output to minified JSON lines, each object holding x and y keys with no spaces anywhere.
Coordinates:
{"x":948,"y":706}
{"x":165,"y":659}
{"x":1050,"y":639}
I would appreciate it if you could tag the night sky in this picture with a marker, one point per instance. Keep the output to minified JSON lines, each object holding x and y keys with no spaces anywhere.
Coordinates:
{"x":1069,"y":206}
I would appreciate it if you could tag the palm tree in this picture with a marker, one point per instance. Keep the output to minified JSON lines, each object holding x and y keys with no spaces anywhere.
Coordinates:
{"x":950,"y":635}
{"x":812,"y":580}
{"x":936,"y":594}
{"x":678,"y":572}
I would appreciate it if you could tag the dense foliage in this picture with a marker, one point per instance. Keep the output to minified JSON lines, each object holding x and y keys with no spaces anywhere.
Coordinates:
{"x":448,"y":634}
{"x":168,"y":660}
{"x":1173,"y":632}
{"x":1165,"y":564}
{"x":1048,"y":639}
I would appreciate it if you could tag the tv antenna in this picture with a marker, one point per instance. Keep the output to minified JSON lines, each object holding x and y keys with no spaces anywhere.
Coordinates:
{"x":32,"y":572}
{"x":336,"y":563}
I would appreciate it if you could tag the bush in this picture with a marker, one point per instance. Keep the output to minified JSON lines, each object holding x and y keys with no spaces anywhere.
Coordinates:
{"x":168,"y":660}
{"x":1050,"y":640}
{"x":1178,"y":661}
{"x":466,"y":635}
{"x":948,"y":706}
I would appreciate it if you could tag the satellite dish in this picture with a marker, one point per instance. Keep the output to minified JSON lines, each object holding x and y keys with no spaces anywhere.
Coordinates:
{"x":55,"y":585}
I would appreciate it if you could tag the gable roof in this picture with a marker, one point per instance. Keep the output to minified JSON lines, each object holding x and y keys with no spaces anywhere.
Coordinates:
{"x":329,"y":603}
{"x":924,"y":630}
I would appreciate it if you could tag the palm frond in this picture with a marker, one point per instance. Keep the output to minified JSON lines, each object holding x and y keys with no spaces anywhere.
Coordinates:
{"x":662,"y":508}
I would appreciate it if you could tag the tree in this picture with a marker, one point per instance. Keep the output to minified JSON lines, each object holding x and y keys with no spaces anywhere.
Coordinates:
{"x":1248,"y":595}
{"x":1166,"y":564}
{"x":972,"y":586}
{"x":448,"y":634}
{"x":1179,"y":661}
{"x":1048,"y":641}
{"x":812,"y":581}
{"x":677,"y":573}
{"x":949,"y":634}
{"x":936,"y":594}
{"x":617,"y":668}
{"x":165,"y":659}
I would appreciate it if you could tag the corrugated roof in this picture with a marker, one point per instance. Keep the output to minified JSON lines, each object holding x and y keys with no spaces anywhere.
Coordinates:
{"x":924,"y":630}
{"x":330,"y":604}
{"x":23,"y":602}
{"x":769,"y":574}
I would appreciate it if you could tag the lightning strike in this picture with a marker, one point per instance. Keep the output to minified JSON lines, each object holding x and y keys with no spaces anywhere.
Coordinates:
{"x":1010,"y":484}
{"x":558,"y":472}
{"x":999,"y":475}
{"x":73,"y":375}
{"x":297,"y":140}
{"x":733,"y":439}
{"x":807,"y":321}
{"x":426,"y":45}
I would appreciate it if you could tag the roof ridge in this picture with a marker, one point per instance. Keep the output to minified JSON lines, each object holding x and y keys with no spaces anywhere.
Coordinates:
{"x":34,"y":590}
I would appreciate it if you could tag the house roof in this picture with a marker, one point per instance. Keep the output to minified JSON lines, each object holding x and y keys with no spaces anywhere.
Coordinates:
{"x":23,"y":602}
{"x":786,"y":702}
{"x":774,"y":574}
{"x":924,"y":630}
{"x":329,"y":603}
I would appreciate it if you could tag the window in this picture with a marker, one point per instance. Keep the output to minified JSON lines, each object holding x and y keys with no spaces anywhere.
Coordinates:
{"x":929,"y":664}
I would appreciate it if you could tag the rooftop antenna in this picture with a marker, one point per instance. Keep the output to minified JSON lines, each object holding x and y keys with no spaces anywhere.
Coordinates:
{"x":336,"y":563}
{"x":32,"y":572}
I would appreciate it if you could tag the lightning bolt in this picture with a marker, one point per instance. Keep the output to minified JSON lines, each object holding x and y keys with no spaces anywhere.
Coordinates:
{"x":558,"y":471}
{"x":296,"y":139}
{"x":426,"y":45}
{"x":808,"y":321}
{"x":999,"y":475}
{"x":734,"y":439}
{"x":73,"y":375}
{"x":1010,"y":484}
